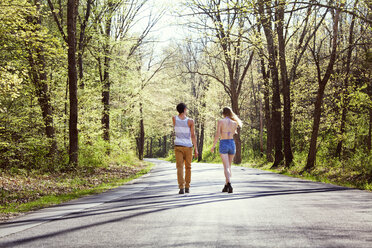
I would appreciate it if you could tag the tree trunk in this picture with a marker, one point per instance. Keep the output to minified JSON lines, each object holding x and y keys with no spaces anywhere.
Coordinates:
{"x":319,"y":99}
{"x":317,"y":112}
{"x":238,"y":143}
{"x":147,"y":149}
{"x":342,"y":130}
{"x":269,"y":128}
{"x":39,"y":79}
{"x":151,"y":147}
{"x":164,"y":145}
{"x":276,"y":113}
{"x":106,"y":83}
{"x":141,"y":136}
{"x":268,"y":122}
{"x":369,"y":141}
{"x":141,"y":140}
{"x":346,"y":85}
{"x":66,"y":114}
{"x":81,"y":43}
{"x":369,"y":138}
{"x":261,"y":121}
{"x":72,"y":75}
{"x":201,"y":141}
{"x":286,"y":86}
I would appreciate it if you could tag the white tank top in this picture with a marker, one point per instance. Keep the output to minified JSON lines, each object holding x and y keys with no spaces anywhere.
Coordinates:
{"x":183,"y":132}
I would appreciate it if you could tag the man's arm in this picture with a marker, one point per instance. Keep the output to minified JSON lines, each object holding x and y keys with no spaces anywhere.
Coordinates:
{"x":174,"y":120}
{"x":193,"y":137}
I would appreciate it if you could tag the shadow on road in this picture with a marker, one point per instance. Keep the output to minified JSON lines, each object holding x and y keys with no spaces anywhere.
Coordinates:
{"x":156,"y":197}
{"x":152,"y":202}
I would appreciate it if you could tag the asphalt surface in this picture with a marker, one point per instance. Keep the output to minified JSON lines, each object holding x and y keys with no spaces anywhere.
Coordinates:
{"x":265,"y":210}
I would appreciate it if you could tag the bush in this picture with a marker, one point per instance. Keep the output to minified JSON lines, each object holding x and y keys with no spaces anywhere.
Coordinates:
{"x":93,"y":155}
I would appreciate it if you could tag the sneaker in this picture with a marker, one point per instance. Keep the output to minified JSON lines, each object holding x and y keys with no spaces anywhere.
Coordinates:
{"x":181,"y":191}
{"x":187,"y":190}
{"x":224,"y":188}
{"x":229,"y":188}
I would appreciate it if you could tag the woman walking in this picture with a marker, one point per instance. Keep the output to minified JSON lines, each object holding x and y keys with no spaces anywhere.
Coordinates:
{"x":226,"y":128}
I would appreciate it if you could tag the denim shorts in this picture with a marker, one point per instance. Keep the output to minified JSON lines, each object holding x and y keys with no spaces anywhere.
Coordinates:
{"x":227,"y":146}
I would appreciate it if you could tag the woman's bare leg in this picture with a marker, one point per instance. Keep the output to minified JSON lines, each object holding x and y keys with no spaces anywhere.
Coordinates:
{"x":231,"y":158}
{"x":226,"y":166}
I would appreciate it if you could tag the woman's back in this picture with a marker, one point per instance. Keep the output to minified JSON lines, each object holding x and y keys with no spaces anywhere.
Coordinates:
{"x":227,"y":128}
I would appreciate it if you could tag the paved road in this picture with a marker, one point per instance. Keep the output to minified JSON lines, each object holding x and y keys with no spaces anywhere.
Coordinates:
{"x":265,"y":210}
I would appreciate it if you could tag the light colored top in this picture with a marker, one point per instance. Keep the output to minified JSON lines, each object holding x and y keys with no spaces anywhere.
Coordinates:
{"x":183,"y":132}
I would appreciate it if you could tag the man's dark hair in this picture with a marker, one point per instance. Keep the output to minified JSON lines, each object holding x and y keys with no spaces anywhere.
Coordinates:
{"x":181,"y":107}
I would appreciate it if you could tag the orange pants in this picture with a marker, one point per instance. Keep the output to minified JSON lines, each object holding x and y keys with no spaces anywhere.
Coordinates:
{"x":183,"y":157}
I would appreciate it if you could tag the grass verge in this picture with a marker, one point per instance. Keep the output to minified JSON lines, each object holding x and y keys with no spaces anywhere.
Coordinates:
{"x":24,"y":193}
{"x":334,"y":175}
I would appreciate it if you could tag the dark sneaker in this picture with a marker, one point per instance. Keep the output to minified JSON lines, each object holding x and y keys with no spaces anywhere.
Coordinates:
{"x":187,"y":190}
{"x":224,"y":188}
{"x":181,"y":191}
{"x":229,"y":188}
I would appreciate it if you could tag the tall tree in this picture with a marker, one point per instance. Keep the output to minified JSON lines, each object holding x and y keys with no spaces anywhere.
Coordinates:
{"x":265,"y":12}
{"x":39,"y":77}
{"x":119,"y":18}
{"x":322,"y":82}
{"x":285,"y":83}
{"x":111,"y":6}
{"x":266,"y":88}
{"x":345,"y":95}
{"x":72,"y":11}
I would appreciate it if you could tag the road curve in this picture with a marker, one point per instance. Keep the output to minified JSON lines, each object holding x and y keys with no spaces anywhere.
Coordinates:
{"x":265,"y":210}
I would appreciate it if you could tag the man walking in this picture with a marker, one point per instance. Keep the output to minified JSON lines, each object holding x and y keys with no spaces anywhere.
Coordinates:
{"x":185,"y":138}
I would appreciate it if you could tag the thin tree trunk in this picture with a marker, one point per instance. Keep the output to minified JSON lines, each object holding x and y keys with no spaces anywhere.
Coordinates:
{"x":261,"y":125}
{"x":201,"y":142}
{"x":268,"y":122}
{"x":147,"y":148}
{"x":346,"y":85}
{"x":238,"y":143}
{"x":106,"y":83}
{"x":286,"y":86}
{"x":66,"y":114}
{"x":141,"y":135}
{"x":342,"y":130}
{"x":81,"y":42}
{"x":72,"y":75}
{"x":151,"y":143}
{"x":319,"y":99}
{"x":369,"y":138}
{"x":141,"y":140}
{"x":164,"y":145}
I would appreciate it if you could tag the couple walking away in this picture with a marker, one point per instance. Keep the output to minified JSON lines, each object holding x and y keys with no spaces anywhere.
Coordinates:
{"x":185,"y":139}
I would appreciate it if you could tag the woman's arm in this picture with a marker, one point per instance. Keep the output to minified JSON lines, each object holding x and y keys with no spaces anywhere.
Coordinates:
{"x":217,"y":136}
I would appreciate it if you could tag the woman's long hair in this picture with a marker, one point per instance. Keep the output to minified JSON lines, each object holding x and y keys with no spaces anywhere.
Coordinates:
{"x":227,"y":112}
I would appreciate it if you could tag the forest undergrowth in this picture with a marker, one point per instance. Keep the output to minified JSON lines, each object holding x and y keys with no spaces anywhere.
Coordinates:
{"x":23,"y":190}
{"x":354,"y":172}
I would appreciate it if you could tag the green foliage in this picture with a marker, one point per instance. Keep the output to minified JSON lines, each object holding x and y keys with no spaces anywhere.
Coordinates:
{"x":210,"y":157}
{"x":94,"y":155}
{"x":147,"y":84}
